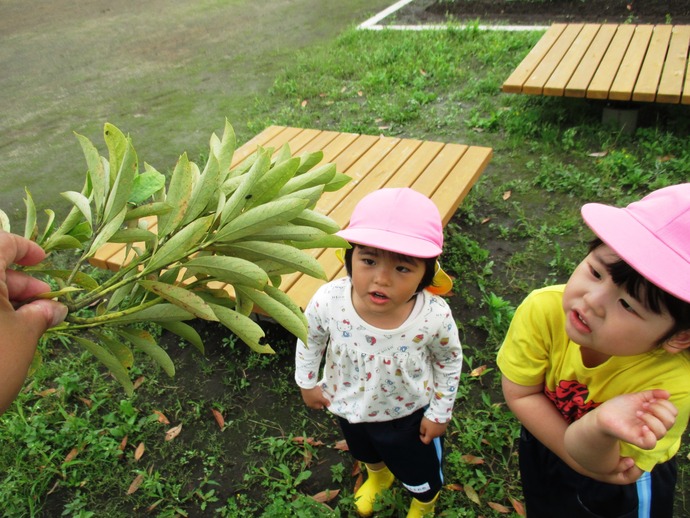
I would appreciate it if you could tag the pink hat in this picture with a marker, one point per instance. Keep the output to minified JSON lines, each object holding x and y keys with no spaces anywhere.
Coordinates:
{"x":651,"y":235}
{"x":398,"y":220}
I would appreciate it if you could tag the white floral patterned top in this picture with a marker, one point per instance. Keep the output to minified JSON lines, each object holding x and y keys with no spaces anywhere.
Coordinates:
{"x":373,"y":374}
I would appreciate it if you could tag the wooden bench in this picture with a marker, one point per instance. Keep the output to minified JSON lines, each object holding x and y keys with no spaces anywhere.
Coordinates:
{"x":638,"y":63}
{"x":443,"y":172}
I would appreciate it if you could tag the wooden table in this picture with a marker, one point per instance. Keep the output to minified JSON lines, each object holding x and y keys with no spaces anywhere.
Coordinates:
{"x":639,"y":63}
{"x":444,"y":172}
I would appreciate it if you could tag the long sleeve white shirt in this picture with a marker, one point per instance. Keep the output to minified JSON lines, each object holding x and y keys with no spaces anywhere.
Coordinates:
{"x":373,"y":374}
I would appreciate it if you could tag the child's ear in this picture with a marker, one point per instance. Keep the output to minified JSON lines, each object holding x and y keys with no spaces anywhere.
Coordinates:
{"x":678,"y":342}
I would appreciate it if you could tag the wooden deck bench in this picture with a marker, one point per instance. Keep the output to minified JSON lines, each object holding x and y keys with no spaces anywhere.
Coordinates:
{"x":444,"y":172}
{"x":634,"y":63}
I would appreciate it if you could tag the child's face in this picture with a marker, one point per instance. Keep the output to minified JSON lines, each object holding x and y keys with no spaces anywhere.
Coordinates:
{"x":603,"y":318}
{"x":383,"y":285}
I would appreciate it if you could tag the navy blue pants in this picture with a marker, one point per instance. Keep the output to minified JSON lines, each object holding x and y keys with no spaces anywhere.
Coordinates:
{"x":552,"y":489}
{"x":397,"y":444}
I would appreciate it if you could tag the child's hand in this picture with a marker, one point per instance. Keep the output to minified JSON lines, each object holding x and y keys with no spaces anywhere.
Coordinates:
{"x":640,"y":418}
{"x":315,"y":398}
{"x":429,"y":430}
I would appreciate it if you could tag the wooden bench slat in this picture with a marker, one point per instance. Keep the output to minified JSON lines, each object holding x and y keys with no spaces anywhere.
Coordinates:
{"x":582,"y":77}
{"x":671,"y":83}
{"x":650,"y":71}
{"x":517,"y":79}
{"x":558,"y":81}
{"x":629,"y":70}
{"x":608,"y":68}
{"x":686,"y":88}
{"x":536,"y":81}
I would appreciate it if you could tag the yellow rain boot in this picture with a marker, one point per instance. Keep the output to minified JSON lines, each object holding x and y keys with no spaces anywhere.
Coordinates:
{"x":377,"y":482}
{"x":419,"y":509}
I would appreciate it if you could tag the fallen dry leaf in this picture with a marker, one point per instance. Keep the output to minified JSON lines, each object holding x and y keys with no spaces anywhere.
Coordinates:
{"x":71,"y":455}
{"x":454,"y":487}
{"x":507,"y":195}
{"x":161,"y":417}
{"x":326,"y":496}
{"x":173,"y":432}
{"x":307,"y":440}
{"x":485,"y":220}
{"x":478,"y":371}
{"x":471,"y":494}
{"x":598,"y":154}
{"x":342,"y":445}
{"x":139,"y":452}
{"x":86,"y":401}
{"x":499,"y":508}
{"x":135,"y":484}
{"x":422,"y":71}
{"x":304,"y":103}
{"x":358,"y":482}
{"x":219,"y":418}
{"x":138,"y":382}
{"x":472,"y":459}
{"x":519,"y":508}
{"x":360,"y":93}
{"x":308,"y":456}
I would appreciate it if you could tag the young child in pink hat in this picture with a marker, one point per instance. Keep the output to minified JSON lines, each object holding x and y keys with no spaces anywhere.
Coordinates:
{"x":598,"y":371}
{"x":392,"y":352}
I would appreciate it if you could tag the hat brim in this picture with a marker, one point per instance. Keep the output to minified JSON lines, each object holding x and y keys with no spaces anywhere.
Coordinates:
{"x":639,"y":247}
{"x":387,"y":240}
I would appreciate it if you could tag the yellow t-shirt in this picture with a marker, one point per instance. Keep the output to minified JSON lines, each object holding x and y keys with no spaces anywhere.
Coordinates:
{"x":537,"y":350}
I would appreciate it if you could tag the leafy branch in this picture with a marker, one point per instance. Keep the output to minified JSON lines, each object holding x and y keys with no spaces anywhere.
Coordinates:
{"x":212,"y":244}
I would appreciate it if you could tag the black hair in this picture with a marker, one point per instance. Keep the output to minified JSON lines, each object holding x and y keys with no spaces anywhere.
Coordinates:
{"x":429,"y":265}
{"x":648,"y":293}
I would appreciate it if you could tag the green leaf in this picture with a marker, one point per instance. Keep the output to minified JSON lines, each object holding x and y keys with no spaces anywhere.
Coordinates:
{"x":117,"y":143}
{"x":179,"y":246}
{"x":145,"y":185}
{"x":317,"y":220}
{"x":289,"y":233}
{"x":58,"y":293}
{"x":117,"y":349}
{"x":232,"y":270}
{"x":100,"y":185}
{"x":157,"y":314}
{"x":319,"y":176}
{"x":5,"y":222}
{"x":109,"y":360}
{"x":259,"y":218}
{"x":178,"y":196}
{"x":311,"y":194}
{"x":274,"y":308}
{"x":309,"y":160}
{"x":204,"y":191}
{"x":327,"y":241}
{"x":132,"y":235}
{"x":235,"y":204}
{"x":78,"y":278}
{"x":143,"y":341}
{"x":122,"y":188}
{"x":151,"y":209}
{"x":186,"y":332}
{"x":244,"y":327}
{"x":56,"y":242}
{"x":337,"y":182}
{"x":30,"y":226}
{"x":279,"y":253}
{"x":225,"y":149}
{"x":107,"y":232}
{"x":81,"y":202}
{"x":181,"y":297}
{"x":267,"y":187}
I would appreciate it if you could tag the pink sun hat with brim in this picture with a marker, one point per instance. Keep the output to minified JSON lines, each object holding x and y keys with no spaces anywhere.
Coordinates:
{"x":651,"y":235}
{"x":399,"y":220}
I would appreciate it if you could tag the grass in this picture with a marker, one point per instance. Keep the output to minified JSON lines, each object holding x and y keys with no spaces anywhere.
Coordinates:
{"x":70,"y":442}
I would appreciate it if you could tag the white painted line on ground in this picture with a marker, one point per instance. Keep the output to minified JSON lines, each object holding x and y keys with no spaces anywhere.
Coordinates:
{"x":373,"y":23}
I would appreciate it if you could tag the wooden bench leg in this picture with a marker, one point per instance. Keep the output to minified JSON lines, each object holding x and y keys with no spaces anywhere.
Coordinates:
{"x":623,"y":115}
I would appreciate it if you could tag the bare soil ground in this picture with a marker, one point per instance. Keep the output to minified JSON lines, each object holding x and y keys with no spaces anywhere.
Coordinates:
{"x":545,"y":12}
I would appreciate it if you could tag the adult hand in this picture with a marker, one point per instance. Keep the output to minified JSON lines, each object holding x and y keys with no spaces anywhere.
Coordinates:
{"x":21,"y":323}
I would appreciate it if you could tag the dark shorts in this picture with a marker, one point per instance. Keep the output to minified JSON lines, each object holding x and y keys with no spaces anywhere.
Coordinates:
{"x":552,"y":489}
{"x":397,"y":444}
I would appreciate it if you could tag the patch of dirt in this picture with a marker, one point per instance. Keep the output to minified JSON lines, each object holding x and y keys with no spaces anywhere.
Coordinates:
{"x":544,"y":12}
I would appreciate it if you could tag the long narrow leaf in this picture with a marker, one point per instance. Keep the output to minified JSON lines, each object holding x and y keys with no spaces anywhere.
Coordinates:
{"x":276,"y":310}
{"x":107,"y":232}
{"x":244,"y":327}
{"x":182,"y":298}
{"x":100,"y":184}
{"x":30,"y":227}
{"x":107,"y":359}
{"x":228,"y":269}
{"x":178,"y":196}
{"x":157,"y":314}
{"x":143,"y":341}
{"x":185,"y":331}
{"x":122,"y":188}
{"x":179,"y":245}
